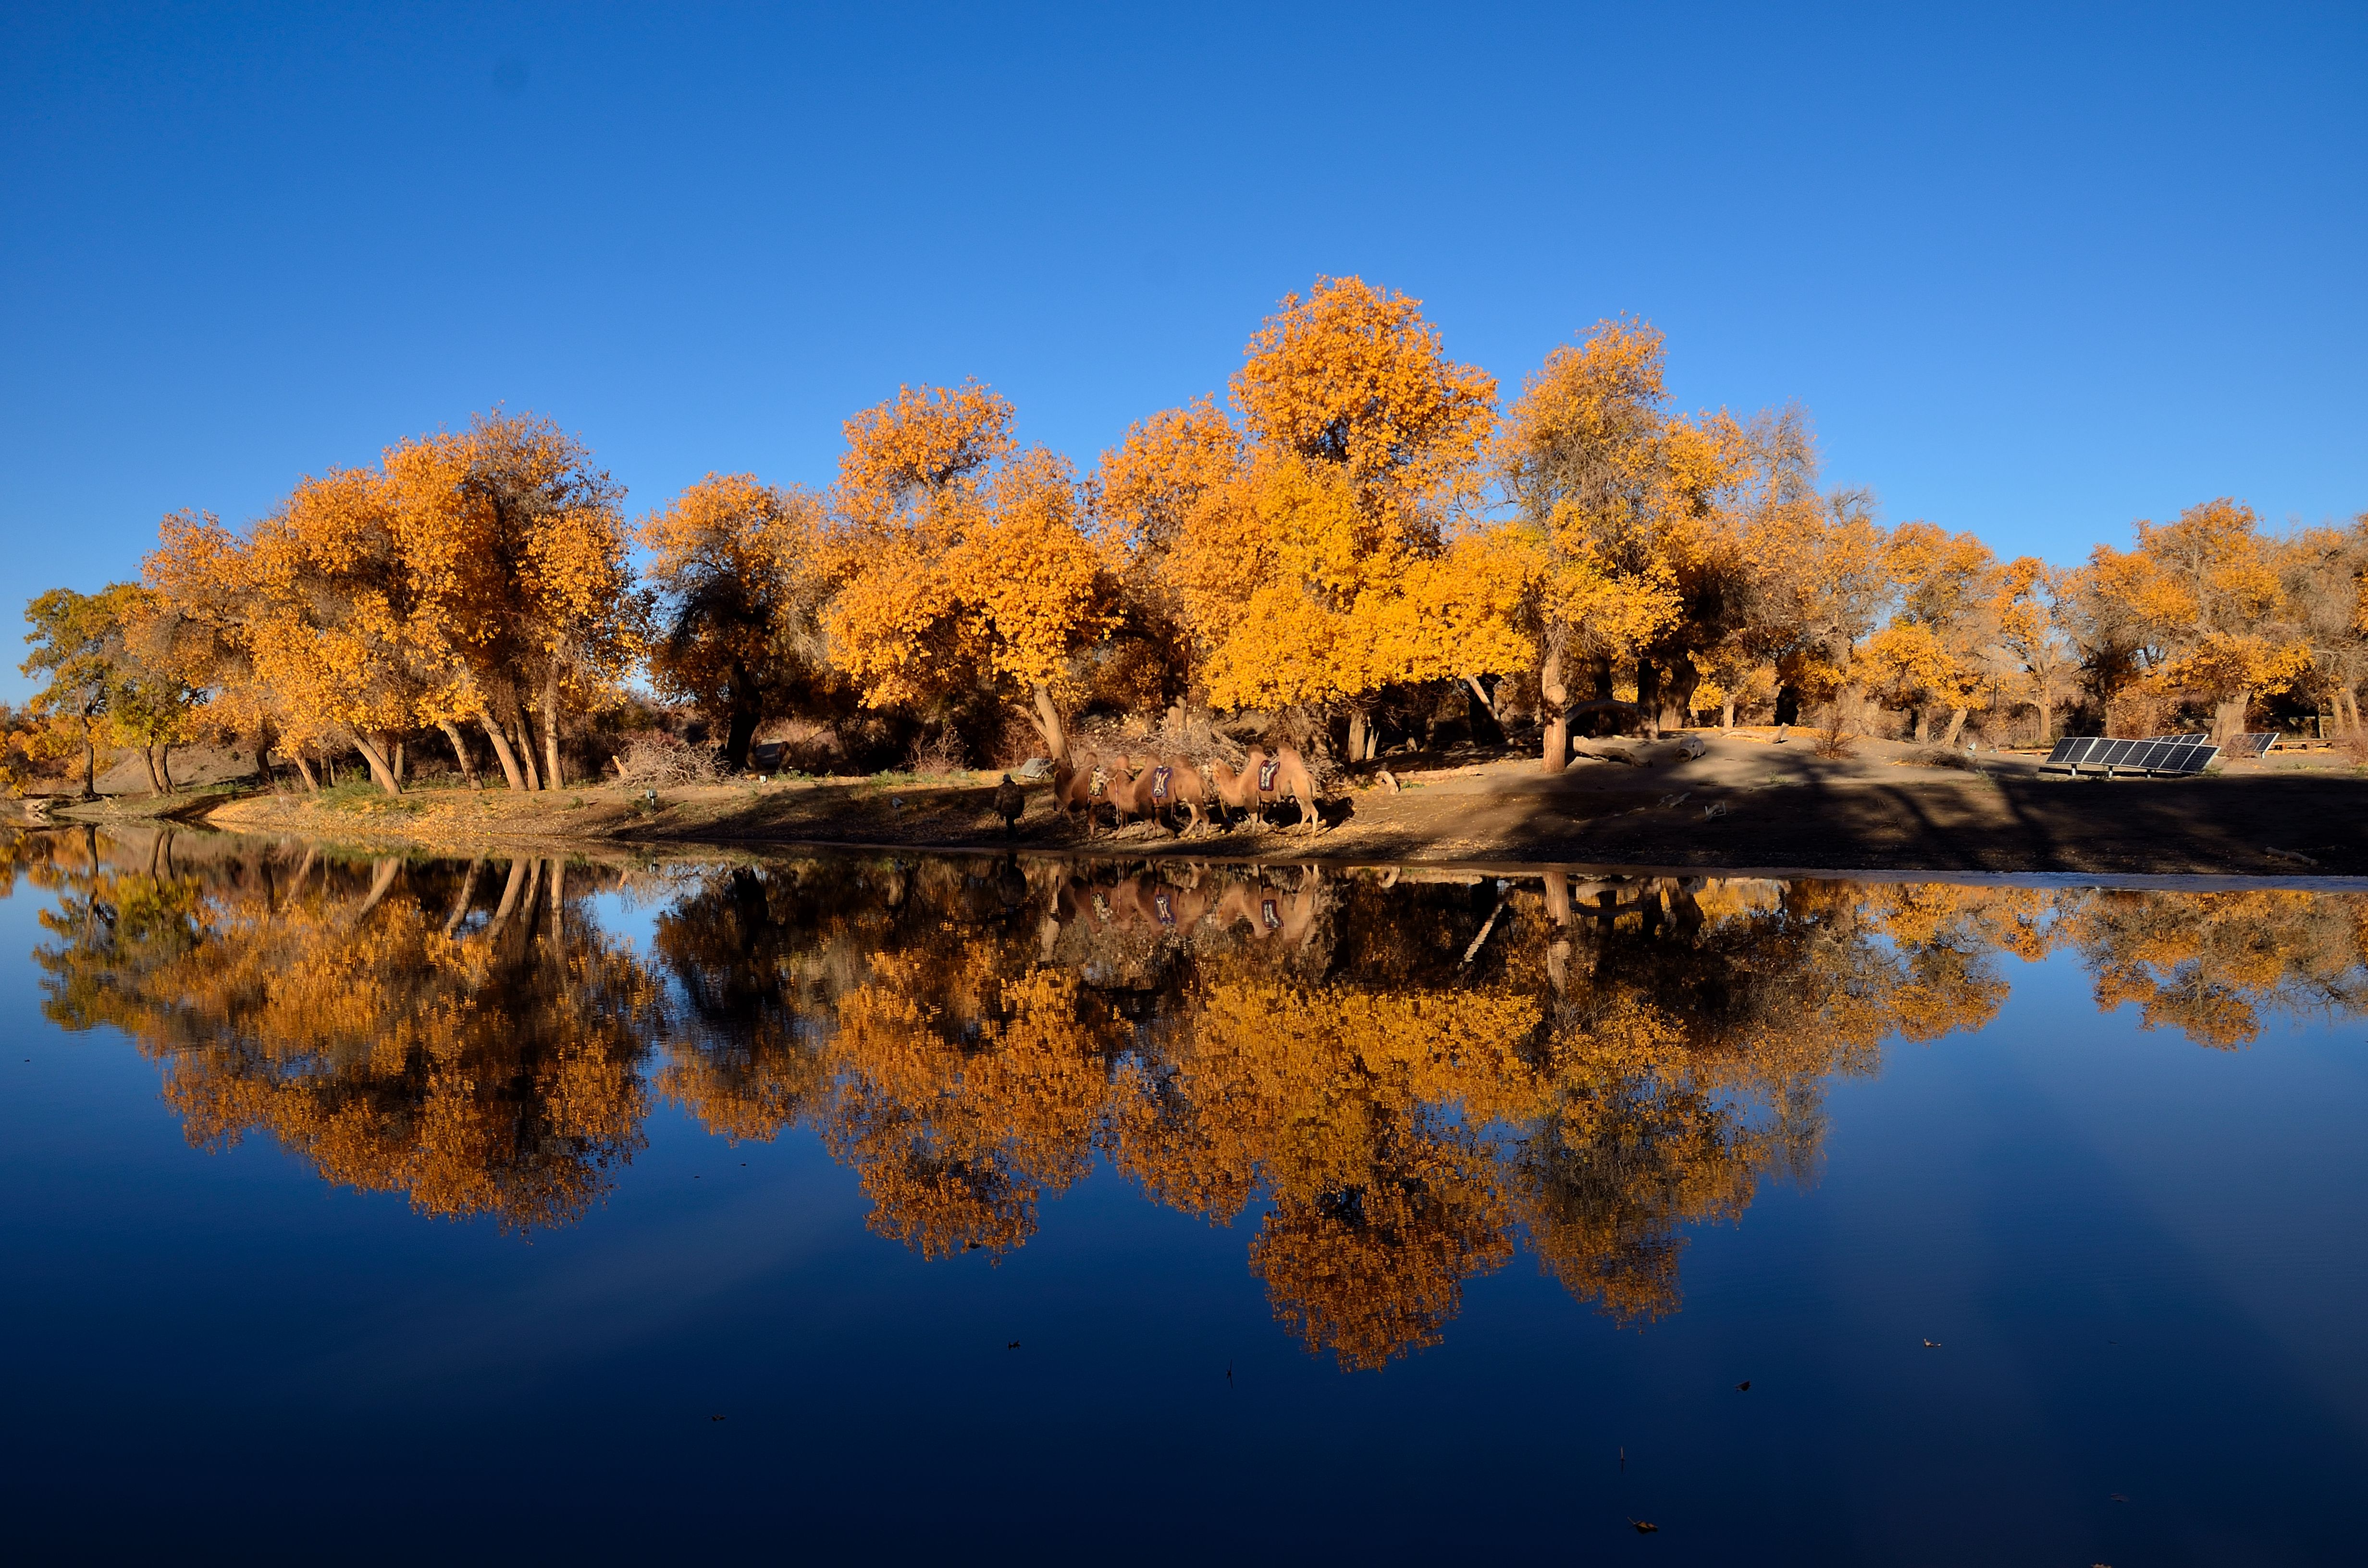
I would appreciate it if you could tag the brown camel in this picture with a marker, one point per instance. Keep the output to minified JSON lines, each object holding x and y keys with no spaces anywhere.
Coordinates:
{"x":1176,"y":782}
{"x":1075,"y":789}
{"x":1131,"y":796}
{"x":1265,"y":779}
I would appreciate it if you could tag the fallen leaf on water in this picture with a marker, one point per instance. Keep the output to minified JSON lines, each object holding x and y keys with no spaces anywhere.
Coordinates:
{"x":1743,"y":1387}
{"x":1643,"y":1527}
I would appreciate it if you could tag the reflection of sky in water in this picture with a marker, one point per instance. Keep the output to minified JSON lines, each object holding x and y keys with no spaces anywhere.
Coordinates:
{"x":220,"y":1354}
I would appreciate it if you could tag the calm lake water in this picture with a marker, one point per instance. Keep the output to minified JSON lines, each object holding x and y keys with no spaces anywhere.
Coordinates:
{"x":386,"y":1210}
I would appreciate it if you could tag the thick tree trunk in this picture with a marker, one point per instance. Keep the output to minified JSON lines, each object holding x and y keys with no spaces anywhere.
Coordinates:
{"x":1956,"y":727}
{"x":459,"y":751}
{"x":551,"y":725}
{"x":1923,"y":725}
{"x":164,"y":766}
{"x":1358,"y":723}
{"x":401,"y":774}
{"x":304,"y":769}
{"x":1601,"y":668}
{"x":2228,"y":719}
{"x":1648,"y":697}
{"x":155,"y":779}
{"x":1677,"y":706}
{"x":2046,"y":721}
{"x":502,"y":752}
{"x":739,"y":735}
{"x":381,"y":770}
{"x":1047,"y":720}
{"x":1556,"y":699}
{"x":1726,"y":715}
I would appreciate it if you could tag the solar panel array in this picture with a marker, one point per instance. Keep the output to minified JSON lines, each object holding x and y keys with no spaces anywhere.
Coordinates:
{"x":2247,"y":746}
{"x":2186,"y":740}
{"x":2176,"y":756}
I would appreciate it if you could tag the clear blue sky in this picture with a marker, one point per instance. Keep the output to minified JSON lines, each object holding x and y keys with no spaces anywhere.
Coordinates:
{"x":2035,"y":273}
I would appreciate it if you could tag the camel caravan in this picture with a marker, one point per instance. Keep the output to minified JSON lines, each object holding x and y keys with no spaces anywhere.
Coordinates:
{"x":1158,"y":789}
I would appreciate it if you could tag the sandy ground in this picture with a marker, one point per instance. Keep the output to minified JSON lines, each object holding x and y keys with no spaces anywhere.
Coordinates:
{"x":1744,"y":805}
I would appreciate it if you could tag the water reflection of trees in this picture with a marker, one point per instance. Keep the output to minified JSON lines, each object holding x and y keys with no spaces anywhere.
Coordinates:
{"x":471,"y":1040}
{"x":1406,"y":1079}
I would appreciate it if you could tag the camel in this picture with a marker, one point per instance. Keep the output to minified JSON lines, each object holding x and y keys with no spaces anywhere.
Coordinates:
{"x":1176,"y":782}
{"x":1265,"y":781}
{"x":1072,"y":788}
{"x":1134,"y":797}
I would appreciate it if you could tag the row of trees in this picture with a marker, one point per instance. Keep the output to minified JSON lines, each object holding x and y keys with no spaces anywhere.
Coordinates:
{"x":1363,"y":520}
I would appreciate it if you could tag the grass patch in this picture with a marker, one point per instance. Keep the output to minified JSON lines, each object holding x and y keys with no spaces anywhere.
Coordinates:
{"x":362,"y":797}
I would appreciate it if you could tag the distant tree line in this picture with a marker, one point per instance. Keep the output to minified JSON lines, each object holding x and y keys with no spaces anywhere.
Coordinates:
{"x":1361,"y":533}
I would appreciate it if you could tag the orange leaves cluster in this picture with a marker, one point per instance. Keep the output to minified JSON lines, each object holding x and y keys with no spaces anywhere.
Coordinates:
{"x":968,"y":564}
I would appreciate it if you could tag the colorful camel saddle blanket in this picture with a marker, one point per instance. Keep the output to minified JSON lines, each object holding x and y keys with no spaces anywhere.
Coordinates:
{"x":1162,"y":782}
{"x":1268,"y":769}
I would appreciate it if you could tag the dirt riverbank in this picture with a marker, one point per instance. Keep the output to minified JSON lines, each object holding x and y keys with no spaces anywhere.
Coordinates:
{"x":1744,"y":803}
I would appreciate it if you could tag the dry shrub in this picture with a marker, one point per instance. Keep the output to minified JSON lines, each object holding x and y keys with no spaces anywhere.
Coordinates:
{"x":1834,"y":733}
{"x":1193,"y":734}
{"x":1944,"y":756}
{"x":2353,"y":748}
{"x":2138,"y":711}
{"x":658,"y":757}
{"x":937,"y":756}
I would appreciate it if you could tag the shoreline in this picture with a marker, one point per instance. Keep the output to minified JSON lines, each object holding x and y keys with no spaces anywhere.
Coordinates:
{"x":1741,"y":808}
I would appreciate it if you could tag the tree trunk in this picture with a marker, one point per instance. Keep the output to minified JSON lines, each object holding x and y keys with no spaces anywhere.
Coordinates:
{"x":1726,"y":715}
{"x":1601,"y":668}
{"x":2046,"y":721}
{"x":381,"y":769}
{"x":739,"y":735}
{"x":526,"y":751}
{"x":1677,"y":707}
{"x":459,"y":751}
{"x":155,"y":780}
{"x":90,"y":762}
{"x":502,"y":752}
{"x":401,"y":775}
{"x":1557,"y":698}
{"x":1648,"y":697}
{"x":1047,"y":720}
{"x":304,"y":769}
{"x":2228,"y":719}
{"x":1923,"y":730}
{"x":1357,"y":725}
{"x":164,"y":765}
{"x":551,"y":725}
{"x":1956,"y":727}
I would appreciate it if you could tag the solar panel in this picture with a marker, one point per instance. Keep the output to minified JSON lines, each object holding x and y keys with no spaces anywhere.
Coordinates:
{"x":2191,"y":739}
{"x":2244,"y":747}
{"x":2173,"y":756}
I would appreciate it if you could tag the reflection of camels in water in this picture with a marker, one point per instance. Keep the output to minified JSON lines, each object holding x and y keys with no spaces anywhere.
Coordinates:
{"x":1405,"y":1077}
